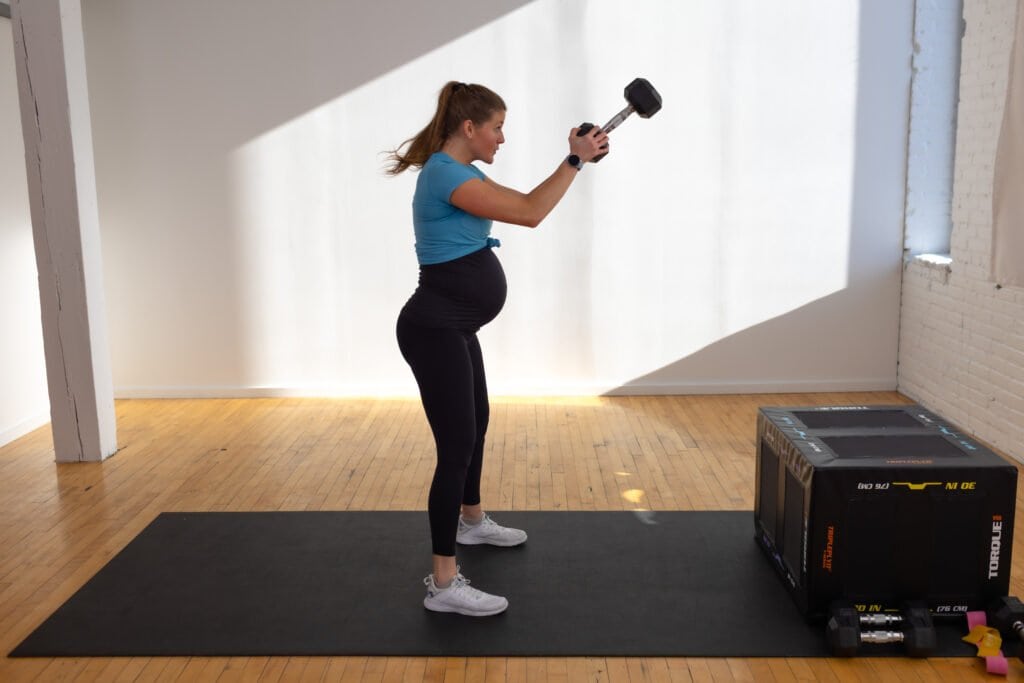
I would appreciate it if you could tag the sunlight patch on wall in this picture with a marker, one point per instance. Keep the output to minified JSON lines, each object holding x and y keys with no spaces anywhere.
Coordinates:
{"x":730,"y":207}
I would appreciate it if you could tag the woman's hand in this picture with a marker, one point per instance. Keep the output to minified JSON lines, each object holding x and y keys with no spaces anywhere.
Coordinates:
{"x":588,"y":146}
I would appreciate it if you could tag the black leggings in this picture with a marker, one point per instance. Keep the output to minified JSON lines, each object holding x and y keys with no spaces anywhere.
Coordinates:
{"x":449,"y":370}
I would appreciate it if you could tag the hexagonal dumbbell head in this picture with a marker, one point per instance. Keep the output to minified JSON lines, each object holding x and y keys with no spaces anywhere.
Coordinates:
{"x":918,"y":630}
{"x":843,"y":630}
{"x":1004,"y":613}
{"x":644,"y":98}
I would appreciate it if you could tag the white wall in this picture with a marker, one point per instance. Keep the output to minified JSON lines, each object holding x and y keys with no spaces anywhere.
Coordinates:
{"x":746,"y":238}
{"x":962,"y":336}
{"x":24,"y":402}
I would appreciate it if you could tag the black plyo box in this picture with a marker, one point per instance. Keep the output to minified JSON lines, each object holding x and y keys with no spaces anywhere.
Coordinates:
{"x":882,"y":504}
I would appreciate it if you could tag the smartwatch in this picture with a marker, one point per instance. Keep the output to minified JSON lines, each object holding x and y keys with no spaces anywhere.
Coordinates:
{"x":574,"y":161}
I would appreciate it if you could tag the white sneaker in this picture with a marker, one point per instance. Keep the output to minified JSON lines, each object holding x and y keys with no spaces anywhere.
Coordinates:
{"x":458,"y":597}
{"x":490,"y":532}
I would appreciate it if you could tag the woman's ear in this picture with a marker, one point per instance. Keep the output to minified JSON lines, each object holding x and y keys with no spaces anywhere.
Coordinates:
{"x":468,"y":128}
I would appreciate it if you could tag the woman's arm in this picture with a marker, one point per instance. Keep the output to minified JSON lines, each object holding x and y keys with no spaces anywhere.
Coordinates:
{"x":499,"y":203}
{"x":488,"y":199}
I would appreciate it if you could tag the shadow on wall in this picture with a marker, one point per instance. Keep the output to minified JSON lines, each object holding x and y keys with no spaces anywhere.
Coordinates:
{"x":768,"y":353}
{"x":311,"y":54}
{"x":760,"y":354}
{"x":175,"y":89}
{"x":248,"y":219}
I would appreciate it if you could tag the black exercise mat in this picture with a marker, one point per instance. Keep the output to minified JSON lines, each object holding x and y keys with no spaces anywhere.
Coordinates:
{"x":349,"y":583}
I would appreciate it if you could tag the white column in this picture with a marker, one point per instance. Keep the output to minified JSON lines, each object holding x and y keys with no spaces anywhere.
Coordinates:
{"x":50,"y":57}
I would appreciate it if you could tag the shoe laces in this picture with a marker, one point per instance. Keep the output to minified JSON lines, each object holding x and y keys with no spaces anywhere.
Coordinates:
{"x":459,"y":583}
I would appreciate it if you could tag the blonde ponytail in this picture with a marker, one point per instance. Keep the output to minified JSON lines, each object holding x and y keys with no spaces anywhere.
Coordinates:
{"x":457,"y":102}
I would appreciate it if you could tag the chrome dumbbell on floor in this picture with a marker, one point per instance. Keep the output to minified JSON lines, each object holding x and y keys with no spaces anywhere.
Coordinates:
{"x":845,"y":635}
{"x":1007,"y":616}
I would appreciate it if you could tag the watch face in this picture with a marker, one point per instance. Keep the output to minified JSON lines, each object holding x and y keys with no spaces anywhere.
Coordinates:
{"x":574,"y":161}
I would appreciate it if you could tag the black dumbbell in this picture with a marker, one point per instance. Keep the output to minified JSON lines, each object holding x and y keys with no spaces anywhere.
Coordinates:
{"x":643,"y":99}
{"x":844,"y":634}
{"x":1007,"y":615}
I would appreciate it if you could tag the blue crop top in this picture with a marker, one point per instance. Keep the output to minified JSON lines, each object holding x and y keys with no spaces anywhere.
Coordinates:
{"x":445,"y":232}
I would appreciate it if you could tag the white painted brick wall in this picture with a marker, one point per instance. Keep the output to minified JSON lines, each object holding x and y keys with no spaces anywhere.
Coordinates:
{"x":962,"y":338}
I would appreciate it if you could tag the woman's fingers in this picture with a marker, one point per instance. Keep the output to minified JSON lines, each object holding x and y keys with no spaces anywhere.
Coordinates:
{"x":589,"y":145}
{"x":599,"y":142}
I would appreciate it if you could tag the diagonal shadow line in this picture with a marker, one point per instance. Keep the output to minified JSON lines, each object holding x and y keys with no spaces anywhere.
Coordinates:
{"x":873,"y":268}
{"x":317,"y":52}
{"x":303,"y":63}
{"x":760,"y":354}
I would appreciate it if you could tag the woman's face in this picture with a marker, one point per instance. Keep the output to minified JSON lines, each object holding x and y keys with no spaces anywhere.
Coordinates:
{"x":487,"y":137}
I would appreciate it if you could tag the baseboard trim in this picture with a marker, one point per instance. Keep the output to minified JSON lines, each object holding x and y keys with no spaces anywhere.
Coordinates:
{"x":519,"y":389}
{"x":24,"y":427}
{"x":202,"y":392}
{"x":756,"y":387}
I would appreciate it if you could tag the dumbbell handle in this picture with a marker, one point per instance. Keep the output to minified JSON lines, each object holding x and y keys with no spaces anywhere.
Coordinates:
{"x":608,"y":127}
{"x":618,"y":118}
{"x":880,"y":619}
{"x":881,"y":637}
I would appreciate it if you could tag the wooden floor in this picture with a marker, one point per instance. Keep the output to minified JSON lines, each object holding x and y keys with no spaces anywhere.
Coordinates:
{"x":59,"y":524}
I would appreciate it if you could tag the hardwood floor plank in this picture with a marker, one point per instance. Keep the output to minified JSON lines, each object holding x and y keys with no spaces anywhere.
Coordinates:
{"x":62,"y":523}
